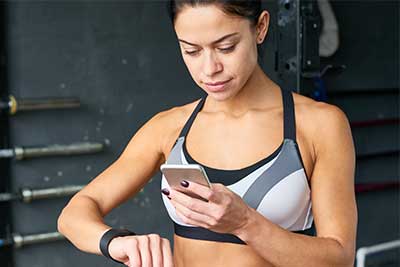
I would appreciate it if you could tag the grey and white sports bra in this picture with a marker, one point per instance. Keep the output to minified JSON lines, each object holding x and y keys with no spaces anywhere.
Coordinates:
{"x":276,"y":186}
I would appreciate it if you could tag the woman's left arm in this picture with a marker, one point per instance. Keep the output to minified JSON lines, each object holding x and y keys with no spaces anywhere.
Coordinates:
{"x":333,"y":204}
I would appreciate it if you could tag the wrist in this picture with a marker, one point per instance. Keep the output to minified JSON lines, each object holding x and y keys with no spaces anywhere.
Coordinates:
{"x":248,"y":221}
{"x":108,"y":236}
{"x":100,"y":235}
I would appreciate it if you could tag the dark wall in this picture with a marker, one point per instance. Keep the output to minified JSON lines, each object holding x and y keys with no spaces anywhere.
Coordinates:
{"x":122,"y":60}
{"x":6,"y":253}
{"x":368,"y":89}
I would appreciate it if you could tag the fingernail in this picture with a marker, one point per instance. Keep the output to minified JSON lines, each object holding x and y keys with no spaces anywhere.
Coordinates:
{"x":165,"y":191}
{"x":184,"y":183}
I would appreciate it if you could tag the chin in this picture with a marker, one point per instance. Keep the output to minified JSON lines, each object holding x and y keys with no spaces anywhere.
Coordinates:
{"x":222,"y":96}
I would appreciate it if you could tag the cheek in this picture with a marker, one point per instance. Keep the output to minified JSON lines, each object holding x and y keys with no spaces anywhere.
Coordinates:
{"x":248,"y":54}
{"x":244,"y":62}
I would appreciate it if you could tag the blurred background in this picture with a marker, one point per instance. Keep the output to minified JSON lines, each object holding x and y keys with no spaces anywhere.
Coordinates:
{"x":79,"y":78}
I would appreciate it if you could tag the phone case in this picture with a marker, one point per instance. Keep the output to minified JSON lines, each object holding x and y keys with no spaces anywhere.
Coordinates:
{"x":175,"y":173}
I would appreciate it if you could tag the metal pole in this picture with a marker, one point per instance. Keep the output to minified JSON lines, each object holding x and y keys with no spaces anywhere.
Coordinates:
{"x":28,"y":194}
{"x":364,"y":251}
{"x":51,"y":150}
{"x":18,"y":240}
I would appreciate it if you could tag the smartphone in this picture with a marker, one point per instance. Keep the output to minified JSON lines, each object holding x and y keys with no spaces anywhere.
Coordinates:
{"x":175,"y":173}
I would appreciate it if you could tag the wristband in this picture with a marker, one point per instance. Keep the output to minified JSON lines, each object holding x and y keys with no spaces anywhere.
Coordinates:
{"x":108,"y":236}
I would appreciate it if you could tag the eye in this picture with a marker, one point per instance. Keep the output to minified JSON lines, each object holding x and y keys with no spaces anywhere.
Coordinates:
{"x":191,"y":52}
{"x":227,"y":49}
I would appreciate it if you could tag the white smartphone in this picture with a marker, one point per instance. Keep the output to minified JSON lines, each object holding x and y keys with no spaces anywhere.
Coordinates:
{"x":175,"y":173}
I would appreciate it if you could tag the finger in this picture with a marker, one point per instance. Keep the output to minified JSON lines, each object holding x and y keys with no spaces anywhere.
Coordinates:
{"x":156,"y":250}
{"x":145,"y":251}
{"x":133,"y":252}
{"x":168,"y":260}
{"x":199,"y":189}
{"x":190,"y":202}
{"x":190,"y":216}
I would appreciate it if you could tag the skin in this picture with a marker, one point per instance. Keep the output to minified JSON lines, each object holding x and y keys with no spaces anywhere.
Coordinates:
{"x":247,"y":116}
{"x":236,"y":116}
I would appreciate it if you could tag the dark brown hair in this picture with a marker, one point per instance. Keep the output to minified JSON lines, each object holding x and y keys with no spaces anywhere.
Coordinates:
{"x":248,"y":9}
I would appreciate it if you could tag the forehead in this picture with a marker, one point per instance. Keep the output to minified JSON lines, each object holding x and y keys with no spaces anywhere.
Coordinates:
{"x":204,"y":24}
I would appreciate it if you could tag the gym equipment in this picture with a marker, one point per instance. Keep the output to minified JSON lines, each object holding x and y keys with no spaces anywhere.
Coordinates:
{"x":18,"y":240}
{"x":27,"y":194}
{"x":51,"y":150}
{"x":363,"y":252}
{"x":14,"y":105}
{"x":377,"y":122}
{"x":368,"y":187}
{"x":329,"y":38}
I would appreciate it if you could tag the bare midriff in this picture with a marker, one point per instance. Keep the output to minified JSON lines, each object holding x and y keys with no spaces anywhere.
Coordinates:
{"x":201,"y":253}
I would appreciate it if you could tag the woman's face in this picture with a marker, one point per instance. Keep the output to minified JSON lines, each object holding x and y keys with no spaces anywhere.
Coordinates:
{"x":217,"y":48}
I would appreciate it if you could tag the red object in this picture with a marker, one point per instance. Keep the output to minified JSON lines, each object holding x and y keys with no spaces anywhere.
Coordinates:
{"x":360,"y":124}
{"x":360,"y":188}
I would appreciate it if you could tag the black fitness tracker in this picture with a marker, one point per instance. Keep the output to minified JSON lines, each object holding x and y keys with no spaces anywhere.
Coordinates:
{"x":108,"y":236}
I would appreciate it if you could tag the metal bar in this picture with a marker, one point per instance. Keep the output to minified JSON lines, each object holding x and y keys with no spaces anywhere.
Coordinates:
{"x":27,"y":194}
{"x":29,"y":104}
{"x":364,"y":251}
{"x":58,"y":150}
{"x":6,"y":153}
{"x":18,"y":240}
{"x":51,"y":150}
{"x":309,"y":39}
{"x":4,"y":197}
{"x":287,"y":60}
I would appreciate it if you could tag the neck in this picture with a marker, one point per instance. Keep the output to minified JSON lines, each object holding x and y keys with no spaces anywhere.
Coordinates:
{"x":258,"y":92}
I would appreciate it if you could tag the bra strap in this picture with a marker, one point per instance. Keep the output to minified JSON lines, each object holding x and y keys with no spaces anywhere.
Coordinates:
{"x":189,"y":122}
{"x":289,"y":116}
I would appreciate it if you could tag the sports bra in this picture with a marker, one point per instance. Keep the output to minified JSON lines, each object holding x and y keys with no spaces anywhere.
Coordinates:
{"x":276,"y":186}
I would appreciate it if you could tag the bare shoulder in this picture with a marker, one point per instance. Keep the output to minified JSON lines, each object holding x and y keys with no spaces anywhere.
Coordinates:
{"x":321,"y":119}
{"x":171,"y":122}
{"x":316,"y":109}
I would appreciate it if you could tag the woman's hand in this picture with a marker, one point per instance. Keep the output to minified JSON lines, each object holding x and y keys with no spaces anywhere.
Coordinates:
{"x":142,"y":250}
{"x":224,"y":211}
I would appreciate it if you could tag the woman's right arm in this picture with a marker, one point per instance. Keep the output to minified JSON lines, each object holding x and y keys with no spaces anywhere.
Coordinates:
{"x":81,"y":221}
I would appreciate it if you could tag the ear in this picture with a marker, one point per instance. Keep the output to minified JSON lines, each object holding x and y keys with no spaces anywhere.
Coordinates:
{"x":262,"y":26}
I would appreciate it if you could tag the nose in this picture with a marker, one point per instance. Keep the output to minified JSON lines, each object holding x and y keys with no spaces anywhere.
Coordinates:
{"x":211,"y":64}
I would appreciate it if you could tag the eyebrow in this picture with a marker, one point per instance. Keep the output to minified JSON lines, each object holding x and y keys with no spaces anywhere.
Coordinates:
{"x":214,"y":42}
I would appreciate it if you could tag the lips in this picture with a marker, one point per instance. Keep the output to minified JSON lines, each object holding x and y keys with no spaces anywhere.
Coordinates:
{"x":217,"y":86}
{"x":217,"y":83}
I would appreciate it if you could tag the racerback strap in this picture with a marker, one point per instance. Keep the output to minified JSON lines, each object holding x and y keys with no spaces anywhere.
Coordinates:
{"x":189,"y":122}
{"x":289,"y":121}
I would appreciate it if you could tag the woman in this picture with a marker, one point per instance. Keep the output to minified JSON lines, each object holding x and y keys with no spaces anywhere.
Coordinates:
{"x":245,"y":117}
